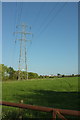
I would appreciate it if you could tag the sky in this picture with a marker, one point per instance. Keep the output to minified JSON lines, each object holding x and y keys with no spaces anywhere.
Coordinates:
{"x":54,"y":46}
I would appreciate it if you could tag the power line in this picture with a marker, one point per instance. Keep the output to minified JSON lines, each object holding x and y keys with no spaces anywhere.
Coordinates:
{"x":46,"y":26}
{"x":39,"y":13}
{"x":18,"y":11}
{"x":15,"y":18}
{"x":20,"y":16}
{"x":48,"y":15}
{"x":19,"y":6}
{"x":50,"y":12}
{"x":16,"y":15}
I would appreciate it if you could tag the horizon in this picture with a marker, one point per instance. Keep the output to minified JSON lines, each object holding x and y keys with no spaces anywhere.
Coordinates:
{"x":45,"y":74}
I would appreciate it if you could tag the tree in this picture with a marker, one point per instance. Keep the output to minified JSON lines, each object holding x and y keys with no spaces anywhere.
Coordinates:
{"x":32,"y":75}
{"x":72,"y":75}
{"x":11,"y":72}
{"x":0,"y":72}
{"x":58,"y":74}
{"x":63,"y":75}
{"x":4,"y":70}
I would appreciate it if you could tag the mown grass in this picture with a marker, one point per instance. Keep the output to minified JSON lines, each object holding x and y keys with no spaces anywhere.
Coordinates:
{"x":60,"y":93}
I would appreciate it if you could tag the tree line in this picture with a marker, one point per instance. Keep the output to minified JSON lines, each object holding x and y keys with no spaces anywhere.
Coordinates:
{"x":8,"y":73}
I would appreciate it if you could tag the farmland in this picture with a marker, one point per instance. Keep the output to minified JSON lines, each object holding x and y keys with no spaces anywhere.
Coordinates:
{"x":53,"y":92}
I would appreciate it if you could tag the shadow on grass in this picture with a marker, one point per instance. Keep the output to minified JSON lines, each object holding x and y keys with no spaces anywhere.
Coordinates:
{"x":62,"y":100}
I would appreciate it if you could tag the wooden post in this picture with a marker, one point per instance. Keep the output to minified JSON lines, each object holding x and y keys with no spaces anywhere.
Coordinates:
{"x":20,"y":111}
{"x":53,"y":115}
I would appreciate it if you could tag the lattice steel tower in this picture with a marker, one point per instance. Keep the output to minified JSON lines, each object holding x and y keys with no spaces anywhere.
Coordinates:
{"x":23,"y":65}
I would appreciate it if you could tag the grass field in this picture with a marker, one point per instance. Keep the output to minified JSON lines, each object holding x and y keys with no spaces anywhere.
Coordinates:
{"x":60,"y":93}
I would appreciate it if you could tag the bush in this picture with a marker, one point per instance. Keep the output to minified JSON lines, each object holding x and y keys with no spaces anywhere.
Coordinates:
{"x":32,"y":75}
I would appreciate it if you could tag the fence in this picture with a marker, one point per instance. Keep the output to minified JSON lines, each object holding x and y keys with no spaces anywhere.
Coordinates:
{"x":55,"y":112}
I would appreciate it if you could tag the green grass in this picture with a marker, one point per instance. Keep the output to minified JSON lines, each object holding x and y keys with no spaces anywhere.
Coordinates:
{"x":60,"y":93}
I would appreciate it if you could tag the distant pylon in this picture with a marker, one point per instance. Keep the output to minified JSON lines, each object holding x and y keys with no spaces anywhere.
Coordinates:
{"x":23,"y":65}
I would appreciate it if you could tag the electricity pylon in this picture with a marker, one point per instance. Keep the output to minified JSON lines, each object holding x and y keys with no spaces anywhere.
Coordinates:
{"x":23,"y":65}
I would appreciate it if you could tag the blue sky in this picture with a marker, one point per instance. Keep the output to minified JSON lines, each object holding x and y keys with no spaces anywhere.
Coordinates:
{"x":54,"y":47}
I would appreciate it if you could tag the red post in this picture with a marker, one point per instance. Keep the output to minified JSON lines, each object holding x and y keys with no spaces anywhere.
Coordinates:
{"x":60,"y":116}
{"x":53,"y":115}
